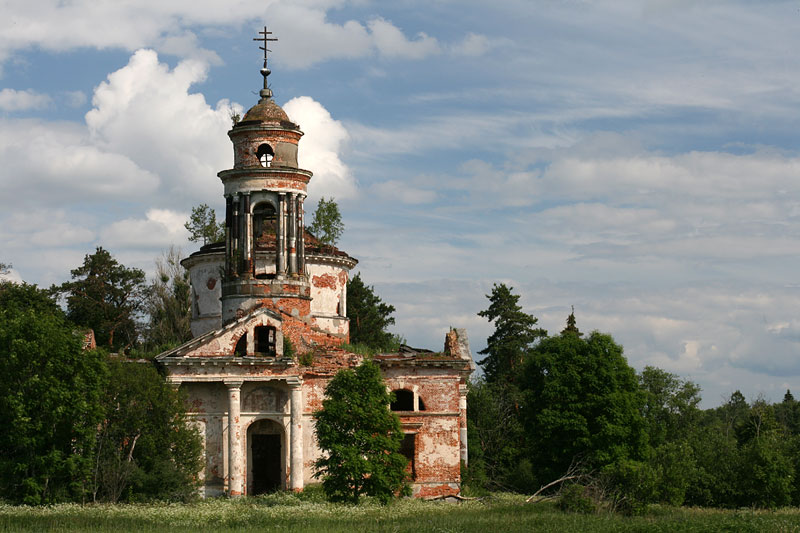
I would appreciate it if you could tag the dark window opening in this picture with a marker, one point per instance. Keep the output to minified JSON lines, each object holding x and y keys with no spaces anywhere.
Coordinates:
{"x":266,"y":450}
{"x":408,"y":450}
{"x":265,"y":340}
{"x":241,"y":346}
{"x":403,"y":400}
{"x":421,"y":404}
{"x":264,"y":221}
{"x":265,"y":155}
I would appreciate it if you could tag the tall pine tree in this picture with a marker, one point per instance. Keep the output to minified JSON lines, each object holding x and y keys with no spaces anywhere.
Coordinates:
{"x":515,"y":332}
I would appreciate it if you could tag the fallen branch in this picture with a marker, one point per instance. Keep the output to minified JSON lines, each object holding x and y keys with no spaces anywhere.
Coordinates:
{"x":556,"y":482}
{"x":455,"y":496}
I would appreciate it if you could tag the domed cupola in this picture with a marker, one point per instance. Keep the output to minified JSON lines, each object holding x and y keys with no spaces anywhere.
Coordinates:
{"x":264,"y":193}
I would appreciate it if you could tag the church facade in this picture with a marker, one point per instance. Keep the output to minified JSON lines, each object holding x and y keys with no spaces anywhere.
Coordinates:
{"x":270,"y":288}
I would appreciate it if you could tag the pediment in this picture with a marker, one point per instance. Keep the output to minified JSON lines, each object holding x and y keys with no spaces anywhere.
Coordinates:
{"x":223,"y":342}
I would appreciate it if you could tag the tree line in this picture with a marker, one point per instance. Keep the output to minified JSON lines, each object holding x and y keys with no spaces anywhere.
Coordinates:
{"x":80,"y":425}
{"x":568,"y":407}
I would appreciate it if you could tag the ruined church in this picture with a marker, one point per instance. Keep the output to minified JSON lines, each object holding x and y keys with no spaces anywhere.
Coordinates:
{"x":271,"y":281}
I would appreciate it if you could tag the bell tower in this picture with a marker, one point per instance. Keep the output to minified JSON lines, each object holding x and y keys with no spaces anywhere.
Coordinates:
{"x":264,"y":193}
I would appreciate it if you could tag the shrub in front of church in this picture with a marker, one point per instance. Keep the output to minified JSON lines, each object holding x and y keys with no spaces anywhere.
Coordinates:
{"x":360,"y":437}
{"x":145,"y":448}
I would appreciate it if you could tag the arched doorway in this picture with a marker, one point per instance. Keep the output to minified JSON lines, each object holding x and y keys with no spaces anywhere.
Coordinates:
{"x":264,"y":457}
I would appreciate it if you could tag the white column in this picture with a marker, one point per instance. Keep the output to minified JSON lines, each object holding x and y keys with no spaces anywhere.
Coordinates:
{"x":462,"y":407}
{"x":235,"y":455}
{"x":280,"y":232}
{"x":296,"y":435}
{"x":292,"y":223}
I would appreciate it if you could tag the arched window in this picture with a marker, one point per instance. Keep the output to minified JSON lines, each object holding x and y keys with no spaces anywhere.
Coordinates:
{"x":403,"y":400}
{"x":421,"y":404}
{"x":265,"y":340}
{"x":265,"y":155}
{"x":241,"y":346}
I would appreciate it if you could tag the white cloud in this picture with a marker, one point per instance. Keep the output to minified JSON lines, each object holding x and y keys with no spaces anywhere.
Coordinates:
{"x":13,"y":100}
{"x":11,"y":275}
{"x":307,"y":36}
{"x":473,"y":45}
{"x":320,"y":149}
{"x":159,"y":229}
{"x":59,"y":162}
{"x":391,"y":42}
{"x":145,"y":112}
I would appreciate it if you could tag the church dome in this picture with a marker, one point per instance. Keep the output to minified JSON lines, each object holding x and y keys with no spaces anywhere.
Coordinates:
{"x":266,"y":111}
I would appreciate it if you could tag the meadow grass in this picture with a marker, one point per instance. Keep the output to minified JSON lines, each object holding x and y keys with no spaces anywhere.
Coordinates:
{"x":498,"y":513}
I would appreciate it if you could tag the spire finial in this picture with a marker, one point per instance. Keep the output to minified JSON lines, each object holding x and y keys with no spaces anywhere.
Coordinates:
{"x":266,"y":92}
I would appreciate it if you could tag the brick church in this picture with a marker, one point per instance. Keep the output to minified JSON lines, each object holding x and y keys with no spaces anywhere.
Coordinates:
{"x":271,"y":280}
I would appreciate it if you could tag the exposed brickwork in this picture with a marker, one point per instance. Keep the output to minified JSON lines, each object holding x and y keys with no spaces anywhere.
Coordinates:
{"x":327,"y":281}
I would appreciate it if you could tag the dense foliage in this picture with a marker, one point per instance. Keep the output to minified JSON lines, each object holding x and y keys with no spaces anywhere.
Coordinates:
{"x":369,"y":316}
{"x":565,"y":404}
{"x":49,"y":399}
{"x":360,"y":437}
{"x":581,"y":403}
{"x":81,"y":425}
{"x":145,"y":448}
{"x":106,"y":297}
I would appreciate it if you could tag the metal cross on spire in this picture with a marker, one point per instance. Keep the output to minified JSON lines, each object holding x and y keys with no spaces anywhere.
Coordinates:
{"x":265,"y":38}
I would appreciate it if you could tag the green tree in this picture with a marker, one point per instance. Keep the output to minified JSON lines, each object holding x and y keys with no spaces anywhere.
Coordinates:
{"x":107,"y":297}
{"x":515,"y":333}
{"x":202,"y":225}
{"x":5,"y":268}
{"x":369,"y":316}
{"x":360,"y":437}
{"x":581,"y":403}
{"x":497,"y":455}
{"x":670,"y":405}
{"x":766,"y":471}
{"x":145,"y":448}
{"x":49,"y":400}
{"x":571,"y":327}
{"x":326,"y":224}
{"x":717,"y":463}
{"x":788,"y":414}
{"x":168,"y":303}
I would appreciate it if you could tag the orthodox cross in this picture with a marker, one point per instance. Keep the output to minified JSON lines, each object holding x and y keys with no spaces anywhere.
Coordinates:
{"x":265,"y":38}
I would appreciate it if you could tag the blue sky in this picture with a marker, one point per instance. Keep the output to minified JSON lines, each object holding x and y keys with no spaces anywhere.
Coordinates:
{"x":638,"y":159}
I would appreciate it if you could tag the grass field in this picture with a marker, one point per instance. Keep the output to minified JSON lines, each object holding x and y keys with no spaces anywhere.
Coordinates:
{"x":286,"y":512}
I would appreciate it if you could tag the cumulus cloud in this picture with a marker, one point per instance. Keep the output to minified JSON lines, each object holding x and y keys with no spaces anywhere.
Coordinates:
{"x":61,"y":163}
{"x":159,"y":228}
{"x":146,"y":112}
{"x":320,"y":149}
{"x":13,"y":100}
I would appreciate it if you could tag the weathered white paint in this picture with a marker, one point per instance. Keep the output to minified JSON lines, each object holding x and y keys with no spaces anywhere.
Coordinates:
{"x":296,"y":434}
{"x":235,"y":455}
